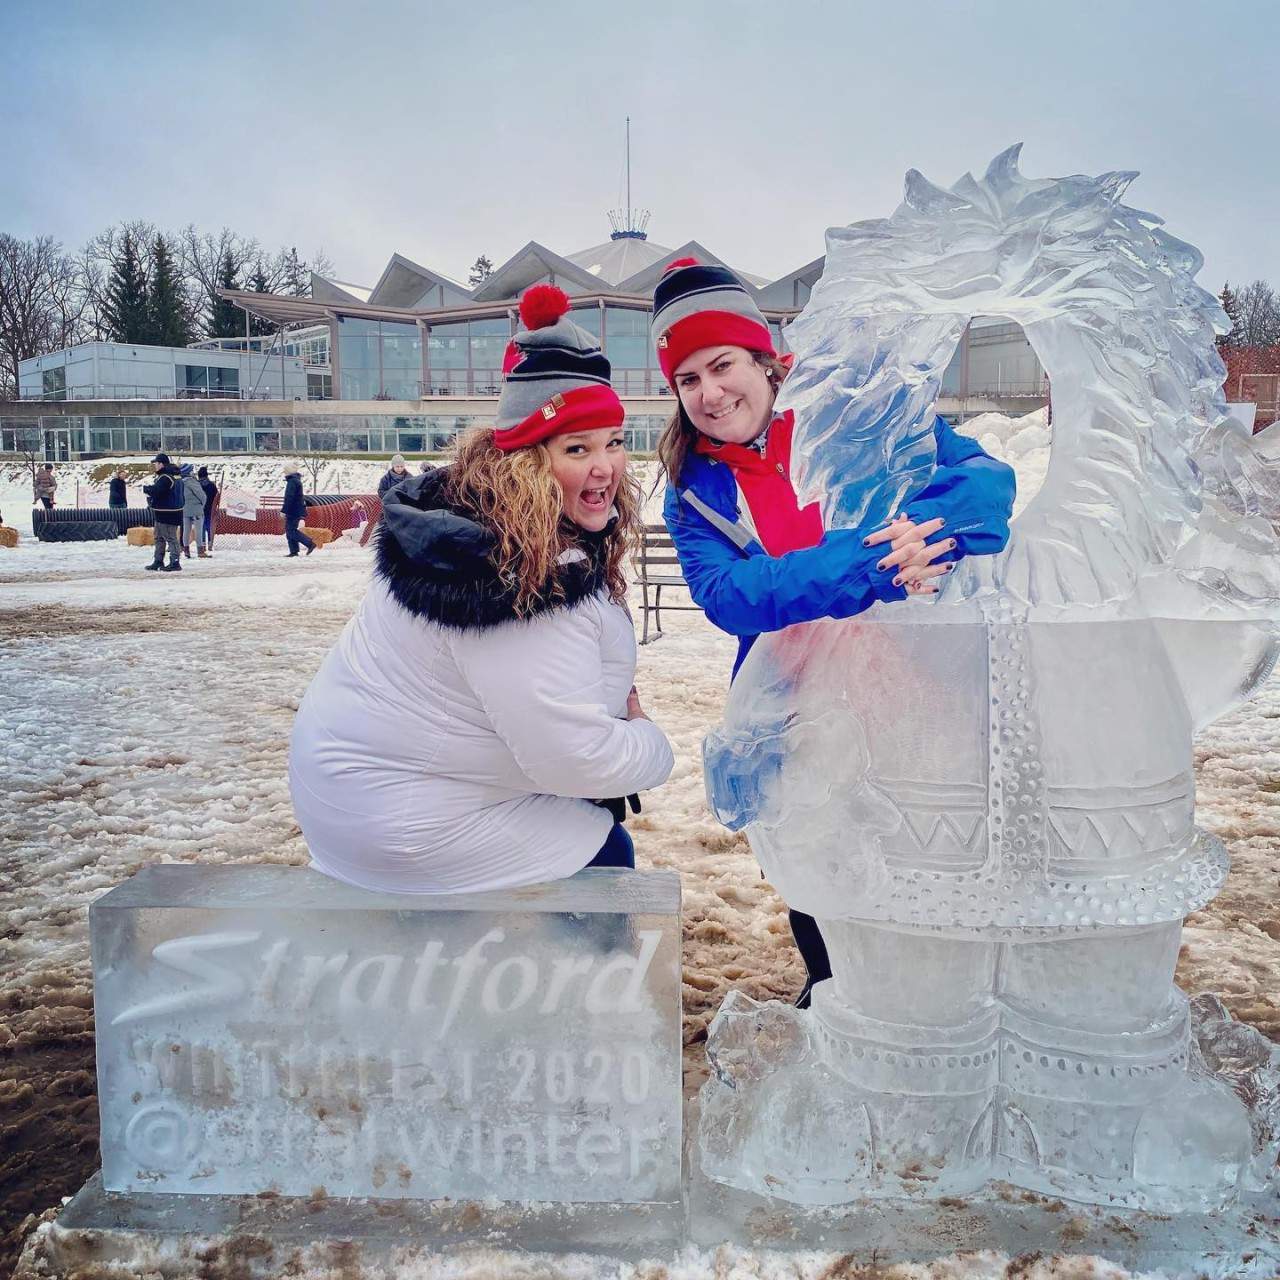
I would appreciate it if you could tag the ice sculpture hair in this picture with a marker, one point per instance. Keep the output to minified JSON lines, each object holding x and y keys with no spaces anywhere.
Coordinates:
{"x":1109,"y":303}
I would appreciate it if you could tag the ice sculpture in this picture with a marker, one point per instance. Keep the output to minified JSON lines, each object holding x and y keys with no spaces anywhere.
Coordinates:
{"x":987,"y":799}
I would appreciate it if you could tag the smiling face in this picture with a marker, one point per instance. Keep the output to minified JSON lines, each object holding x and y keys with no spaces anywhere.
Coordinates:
{"x":588,"y":467}
{"x":726,"y":393}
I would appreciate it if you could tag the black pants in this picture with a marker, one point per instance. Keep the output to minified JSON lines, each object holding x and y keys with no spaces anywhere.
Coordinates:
{"x":294,"y":536}
{"x":813,"y":951}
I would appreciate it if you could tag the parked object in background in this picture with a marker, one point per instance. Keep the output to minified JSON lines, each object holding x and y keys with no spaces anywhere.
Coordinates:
{"x":320,"y":536}
{"x":78,"y":531}
{"x":8,"y":536}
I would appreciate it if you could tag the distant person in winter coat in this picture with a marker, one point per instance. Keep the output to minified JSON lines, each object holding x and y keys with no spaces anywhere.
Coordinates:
{"x":211,"y":496}
{"x":46,"y":483}
{"x":754,"y":559}
{"x":498,"y":602}
{"x":397,"y":472}
{"x":294,"y":510}
{"x":165,"y":497}
{"x":117,"y":489}
{"x":193,"y":501}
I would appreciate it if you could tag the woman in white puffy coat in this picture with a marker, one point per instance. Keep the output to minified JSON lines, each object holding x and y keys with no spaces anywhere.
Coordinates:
{"x":480,"y":703}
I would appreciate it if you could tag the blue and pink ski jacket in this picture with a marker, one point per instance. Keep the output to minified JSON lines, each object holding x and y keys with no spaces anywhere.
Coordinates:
{"x":744,"y":590}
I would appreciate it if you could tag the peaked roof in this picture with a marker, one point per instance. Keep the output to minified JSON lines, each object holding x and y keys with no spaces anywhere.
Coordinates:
{"x":618,"y":260}
{"x":404,"y":283}
{"x":645,"y":279}
{"x":529,"y":265}
{"x":325,"y":290}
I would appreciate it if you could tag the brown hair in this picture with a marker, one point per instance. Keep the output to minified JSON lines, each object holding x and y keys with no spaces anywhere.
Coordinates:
{"x":515,"y":494}
{"x":679,"y":435}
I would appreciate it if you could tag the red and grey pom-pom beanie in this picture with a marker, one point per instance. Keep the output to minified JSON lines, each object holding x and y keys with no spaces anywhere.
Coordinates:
{"x":697,"y":305}
{"x":555,"y":377}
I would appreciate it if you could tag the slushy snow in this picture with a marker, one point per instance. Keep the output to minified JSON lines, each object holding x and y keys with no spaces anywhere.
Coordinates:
{"x":99,"y":780}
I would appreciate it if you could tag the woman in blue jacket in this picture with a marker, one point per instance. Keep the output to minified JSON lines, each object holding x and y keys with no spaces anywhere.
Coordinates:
{"x":754,"y":559}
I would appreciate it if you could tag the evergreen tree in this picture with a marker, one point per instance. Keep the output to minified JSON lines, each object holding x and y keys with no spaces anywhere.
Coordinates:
{"x":259,"y":283}
{"x":226,"y":320}
{"x":125,"y":310}
{"x":1231,"y":305}
{"x":296,"y":280}
{"x":481,"y":270}
{"x":167,"y":316}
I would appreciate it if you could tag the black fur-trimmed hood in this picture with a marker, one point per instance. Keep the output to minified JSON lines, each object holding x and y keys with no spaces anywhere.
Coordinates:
{"x":437,"y":562}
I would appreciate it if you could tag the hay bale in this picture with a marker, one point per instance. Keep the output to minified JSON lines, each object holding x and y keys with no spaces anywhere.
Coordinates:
{"x":319,"y":536}
{"x":8,"y":536}
{"x":141,"y":537}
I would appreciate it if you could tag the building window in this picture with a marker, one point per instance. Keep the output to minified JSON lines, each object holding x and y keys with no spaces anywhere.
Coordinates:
{"x":53,"y":383}
{"x":630,"y":350}
{"x":379,"y":360}
{"x":196,"y":381}
{"x":587,"y":318}
{"x":319,"y":386}
{"x":488,"y":341}
{"x":447,"y":359}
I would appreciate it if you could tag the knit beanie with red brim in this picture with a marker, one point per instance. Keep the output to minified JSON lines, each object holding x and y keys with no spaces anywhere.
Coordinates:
{"x":697,"y":305}
{"x":555,"y":377}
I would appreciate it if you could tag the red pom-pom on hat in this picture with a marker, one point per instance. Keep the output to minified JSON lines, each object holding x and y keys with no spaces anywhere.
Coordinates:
{"x":680,"y":262}
{"x":543,"y":305}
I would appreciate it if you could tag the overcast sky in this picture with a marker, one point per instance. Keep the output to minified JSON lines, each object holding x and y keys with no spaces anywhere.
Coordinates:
{"x":447,"y":130}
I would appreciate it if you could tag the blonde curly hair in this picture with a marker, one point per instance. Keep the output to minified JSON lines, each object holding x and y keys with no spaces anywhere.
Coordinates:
{"x":515,"y":495}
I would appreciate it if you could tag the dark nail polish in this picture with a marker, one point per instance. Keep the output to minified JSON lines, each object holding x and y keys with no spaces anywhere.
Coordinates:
{"x":884,"y":564}
{"x":897,"y":582}
{"x":866,"y":542}
{"x":951,"y":542}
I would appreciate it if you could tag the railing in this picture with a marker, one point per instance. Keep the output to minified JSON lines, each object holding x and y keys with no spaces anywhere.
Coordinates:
{"x":132,"y":391}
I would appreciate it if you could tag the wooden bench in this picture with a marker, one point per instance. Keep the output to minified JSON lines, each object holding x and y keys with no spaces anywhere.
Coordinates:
{"x":659,"y":567}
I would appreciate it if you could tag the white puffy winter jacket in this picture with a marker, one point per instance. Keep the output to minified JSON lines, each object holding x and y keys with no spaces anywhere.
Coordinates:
{"x":434,"y":758}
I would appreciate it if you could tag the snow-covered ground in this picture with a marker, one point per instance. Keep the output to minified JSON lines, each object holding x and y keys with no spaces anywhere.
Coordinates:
{"x":100,"y":776}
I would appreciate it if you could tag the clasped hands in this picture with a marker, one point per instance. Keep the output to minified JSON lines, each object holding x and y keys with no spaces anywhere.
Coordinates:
{"x":912,"y":554}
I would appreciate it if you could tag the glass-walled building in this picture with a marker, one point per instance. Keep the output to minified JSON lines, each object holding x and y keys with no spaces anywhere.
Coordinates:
{"x":64,"y":436}
{"x":416,"y":357}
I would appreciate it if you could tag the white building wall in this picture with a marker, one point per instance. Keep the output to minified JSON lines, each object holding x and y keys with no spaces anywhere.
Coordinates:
{"x":119,"y":371}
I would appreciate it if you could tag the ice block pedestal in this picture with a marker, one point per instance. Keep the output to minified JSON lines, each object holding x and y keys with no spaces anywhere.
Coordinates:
{"x":267,"y":1032}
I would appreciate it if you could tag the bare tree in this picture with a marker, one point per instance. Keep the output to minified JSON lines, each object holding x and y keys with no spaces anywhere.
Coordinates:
{"x":1259,"y":315}
{"x":41,"y":305}
{"x":203,"y":256}
{"x":313,"y":464}
{"x":32,"y":459}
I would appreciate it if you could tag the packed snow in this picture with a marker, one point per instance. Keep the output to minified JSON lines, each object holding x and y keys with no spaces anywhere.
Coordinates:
{"x":145,"y":717}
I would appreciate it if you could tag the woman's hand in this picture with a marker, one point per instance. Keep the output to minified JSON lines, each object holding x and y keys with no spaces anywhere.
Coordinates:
{"x":634,"y":710}
{"x":912,"y":554}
